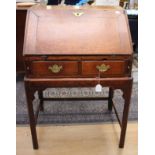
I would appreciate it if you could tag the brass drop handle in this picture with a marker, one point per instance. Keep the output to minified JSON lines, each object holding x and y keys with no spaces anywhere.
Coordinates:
{"x":55,"y":68}
{"x":78,"y":14}
{"x":102,"y":68}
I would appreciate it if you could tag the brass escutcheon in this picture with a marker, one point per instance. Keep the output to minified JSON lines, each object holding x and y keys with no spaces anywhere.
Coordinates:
{"x":103,"y":68}
{"x":78,"y":14}
{"x":55,"y":68}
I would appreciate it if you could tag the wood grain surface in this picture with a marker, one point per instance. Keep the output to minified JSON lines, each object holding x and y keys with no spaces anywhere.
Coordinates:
{"x":97,"y":31}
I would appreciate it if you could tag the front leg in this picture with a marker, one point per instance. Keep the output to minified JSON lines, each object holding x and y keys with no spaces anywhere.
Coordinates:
{"x":127,"y":97}
{"x":30,"y":96}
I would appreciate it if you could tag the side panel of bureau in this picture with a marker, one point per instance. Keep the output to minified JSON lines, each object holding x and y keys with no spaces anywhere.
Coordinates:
{"x":20,"y":28}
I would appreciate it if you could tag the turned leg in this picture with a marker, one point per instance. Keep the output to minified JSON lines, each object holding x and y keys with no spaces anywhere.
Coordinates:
{"x":127,"y":96}
{"x":110,"y":101}
{"x":40,"y":93}
{"x":30,"y":96}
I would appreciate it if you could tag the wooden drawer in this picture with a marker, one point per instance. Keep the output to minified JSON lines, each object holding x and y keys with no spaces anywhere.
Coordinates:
{"x":105,"y":68}
{"x":54,"y":68}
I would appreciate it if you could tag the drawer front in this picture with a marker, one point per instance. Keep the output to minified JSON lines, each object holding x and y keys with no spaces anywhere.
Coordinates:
{"x":54,"y":68}
{"x":104,"y":68}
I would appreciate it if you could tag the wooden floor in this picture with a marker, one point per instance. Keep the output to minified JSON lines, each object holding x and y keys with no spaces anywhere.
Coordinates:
{"x":94,"y":139}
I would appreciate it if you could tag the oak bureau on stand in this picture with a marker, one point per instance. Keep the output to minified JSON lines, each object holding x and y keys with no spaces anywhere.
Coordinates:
{"x":66,"y":46}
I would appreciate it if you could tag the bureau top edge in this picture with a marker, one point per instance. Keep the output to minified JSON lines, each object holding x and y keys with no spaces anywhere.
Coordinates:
{"x":74,"y":7}
{"x":75,"y":54}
